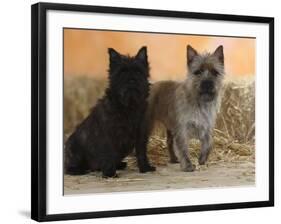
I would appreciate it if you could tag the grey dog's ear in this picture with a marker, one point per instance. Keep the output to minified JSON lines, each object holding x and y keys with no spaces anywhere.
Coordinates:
{"x":219,"y":54}
{"x":142,"y":55}
{"x":191,"y":54}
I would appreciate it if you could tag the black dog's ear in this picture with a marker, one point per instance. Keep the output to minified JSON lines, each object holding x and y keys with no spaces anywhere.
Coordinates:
{"x":191,"y":53}
{"x":142,"y":55}
{"x":219,"y":54}
{"x":114,"y":57}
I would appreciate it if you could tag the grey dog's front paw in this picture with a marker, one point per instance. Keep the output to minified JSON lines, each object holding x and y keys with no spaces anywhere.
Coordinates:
{"x":174,"y":160}
{"x":188,"y":168}
{"x":203,"y":158}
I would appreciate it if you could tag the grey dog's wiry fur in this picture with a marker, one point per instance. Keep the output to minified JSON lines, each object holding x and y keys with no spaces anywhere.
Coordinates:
{"x":188,"y":109}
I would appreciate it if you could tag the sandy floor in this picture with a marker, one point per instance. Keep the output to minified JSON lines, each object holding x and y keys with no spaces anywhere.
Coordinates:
{"x":166,"y":177}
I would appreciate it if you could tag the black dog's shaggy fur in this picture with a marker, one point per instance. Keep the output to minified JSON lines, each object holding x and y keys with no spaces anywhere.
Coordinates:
{"x":111,"y":130}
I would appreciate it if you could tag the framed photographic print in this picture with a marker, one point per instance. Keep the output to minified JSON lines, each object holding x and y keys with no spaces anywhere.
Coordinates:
{"x":139,"y":111}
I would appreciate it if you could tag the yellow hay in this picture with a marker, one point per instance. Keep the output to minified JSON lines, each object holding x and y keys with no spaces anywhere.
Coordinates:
{"x":234,"y":135}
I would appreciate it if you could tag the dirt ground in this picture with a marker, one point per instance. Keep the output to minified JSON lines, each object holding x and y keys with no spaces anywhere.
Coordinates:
{"x":225,"y":174}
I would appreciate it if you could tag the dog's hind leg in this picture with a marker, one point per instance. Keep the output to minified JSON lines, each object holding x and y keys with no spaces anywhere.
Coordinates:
{"x":74,"y":164}
{"x":170,"y":140}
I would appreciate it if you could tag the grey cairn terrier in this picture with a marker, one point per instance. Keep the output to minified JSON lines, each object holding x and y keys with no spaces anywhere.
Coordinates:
{"x":187,"y":109}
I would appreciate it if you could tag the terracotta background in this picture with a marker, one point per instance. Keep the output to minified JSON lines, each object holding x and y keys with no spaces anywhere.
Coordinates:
{"x":85,"y":52}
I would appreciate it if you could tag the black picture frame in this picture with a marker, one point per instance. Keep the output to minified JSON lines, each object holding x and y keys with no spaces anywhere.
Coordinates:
{"x":39,"y":122}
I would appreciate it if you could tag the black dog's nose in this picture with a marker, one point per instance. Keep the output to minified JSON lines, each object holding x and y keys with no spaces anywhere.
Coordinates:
{"x":207,"y":85}
{"x":132,"y":82}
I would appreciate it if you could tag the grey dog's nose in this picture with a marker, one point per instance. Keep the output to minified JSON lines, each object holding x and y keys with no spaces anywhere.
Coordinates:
{"x":207,"y":85}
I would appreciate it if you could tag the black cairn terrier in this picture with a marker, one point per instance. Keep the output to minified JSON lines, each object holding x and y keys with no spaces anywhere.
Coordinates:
{"x":111,"y":131}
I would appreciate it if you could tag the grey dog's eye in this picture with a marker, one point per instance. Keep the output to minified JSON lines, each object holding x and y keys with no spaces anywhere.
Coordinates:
{"x":214,"y":72}
{"x":197,"y":72}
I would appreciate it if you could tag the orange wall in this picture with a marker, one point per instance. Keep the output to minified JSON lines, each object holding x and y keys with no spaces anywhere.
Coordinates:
{"x":85,"y":52}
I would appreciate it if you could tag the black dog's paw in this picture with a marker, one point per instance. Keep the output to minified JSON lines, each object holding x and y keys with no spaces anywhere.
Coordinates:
{"x":122,"y":166}
{"x":110,"y":176}
{"x":147,"y":168}
{"x":109,"y":172}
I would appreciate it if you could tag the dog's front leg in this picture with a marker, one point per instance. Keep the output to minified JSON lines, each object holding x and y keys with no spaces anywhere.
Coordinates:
{"x":206,"y":147}
{"x":142,"y":159}
{"x":181,"y":150}
{"x":141,"y":149}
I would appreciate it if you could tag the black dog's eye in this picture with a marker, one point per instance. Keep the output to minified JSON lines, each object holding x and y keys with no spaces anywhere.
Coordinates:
{"x":197,"y":72}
